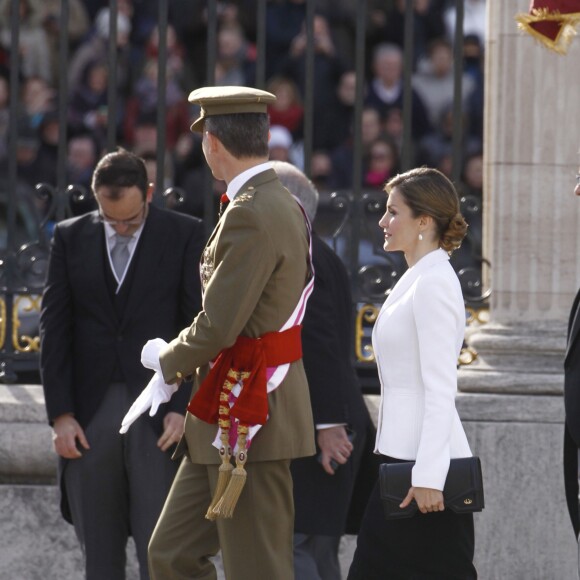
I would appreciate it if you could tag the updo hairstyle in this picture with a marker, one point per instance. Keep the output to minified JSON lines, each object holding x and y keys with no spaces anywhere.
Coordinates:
{"x":428,"y":192}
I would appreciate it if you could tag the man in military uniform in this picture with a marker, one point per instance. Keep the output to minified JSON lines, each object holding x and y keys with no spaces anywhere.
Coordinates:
{"x":256,"y":276}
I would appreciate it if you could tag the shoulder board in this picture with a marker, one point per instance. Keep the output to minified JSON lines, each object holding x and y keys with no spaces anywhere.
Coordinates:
{"x":245,"y":196}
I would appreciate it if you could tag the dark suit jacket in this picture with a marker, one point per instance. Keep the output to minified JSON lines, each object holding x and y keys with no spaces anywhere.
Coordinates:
{"x":87,"y":339}
{"x":84,"y":341}
{"x":572,"y":407}
{"x":322,"y":500}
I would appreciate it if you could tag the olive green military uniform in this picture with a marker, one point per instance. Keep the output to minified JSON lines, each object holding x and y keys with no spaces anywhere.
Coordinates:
{"x":254,"y":270}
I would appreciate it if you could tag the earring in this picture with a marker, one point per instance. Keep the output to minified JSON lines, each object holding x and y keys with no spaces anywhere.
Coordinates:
{"x":420,"y":237}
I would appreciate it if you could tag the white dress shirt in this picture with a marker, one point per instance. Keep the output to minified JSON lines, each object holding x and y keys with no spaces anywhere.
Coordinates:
{"x":239,"y":180}
{"x":110,"y":238}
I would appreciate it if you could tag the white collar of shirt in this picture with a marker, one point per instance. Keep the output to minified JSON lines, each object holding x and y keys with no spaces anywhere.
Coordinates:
{"x":387,"y":94}
{"x":110,"y":237}
{"x":239,"y":180}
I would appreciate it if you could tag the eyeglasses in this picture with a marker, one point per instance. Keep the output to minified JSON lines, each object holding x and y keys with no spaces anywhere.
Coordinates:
{"x":136,"y":221}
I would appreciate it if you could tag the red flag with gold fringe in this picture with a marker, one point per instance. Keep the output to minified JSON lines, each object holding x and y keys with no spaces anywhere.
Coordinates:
{"x":552,"y":22}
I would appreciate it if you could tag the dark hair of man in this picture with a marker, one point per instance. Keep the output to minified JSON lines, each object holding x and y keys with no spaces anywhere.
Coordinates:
{"x":118,"y":170}
{"x":242,"y":134}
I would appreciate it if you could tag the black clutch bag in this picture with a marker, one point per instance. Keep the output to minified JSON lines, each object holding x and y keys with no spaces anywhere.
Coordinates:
{"x":462,"y":493}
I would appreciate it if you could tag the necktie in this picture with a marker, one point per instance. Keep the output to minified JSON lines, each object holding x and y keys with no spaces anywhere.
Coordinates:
{"x":120,"y":254}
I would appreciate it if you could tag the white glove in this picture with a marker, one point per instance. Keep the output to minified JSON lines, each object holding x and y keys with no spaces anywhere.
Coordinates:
{"x":156,"y":392}
{"x":150,"y":354}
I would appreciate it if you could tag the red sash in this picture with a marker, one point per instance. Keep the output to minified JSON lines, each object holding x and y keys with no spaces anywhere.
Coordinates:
{"x":248,"y":355}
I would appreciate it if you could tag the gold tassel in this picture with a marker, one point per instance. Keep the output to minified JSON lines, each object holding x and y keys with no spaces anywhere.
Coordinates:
{"x":227,"y":504}
{"x":225,"y":472}
{"x":226,"y":468}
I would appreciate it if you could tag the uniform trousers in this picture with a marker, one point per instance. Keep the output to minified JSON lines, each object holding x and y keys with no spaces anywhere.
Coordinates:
{"x":117,"y":488}
{"x":432,"y":546}
{"x":256,"y":543}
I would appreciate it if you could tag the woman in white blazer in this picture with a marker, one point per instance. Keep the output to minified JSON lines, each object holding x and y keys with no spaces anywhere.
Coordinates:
{"x":417,"y":339}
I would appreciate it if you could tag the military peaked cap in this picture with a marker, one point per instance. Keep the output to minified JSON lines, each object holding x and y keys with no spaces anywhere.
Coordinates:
{"x":227,"y":101}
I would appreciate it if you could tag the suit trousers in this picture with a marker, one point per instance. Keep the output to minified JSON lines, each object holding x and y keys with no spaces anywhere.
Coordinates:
{"x":117,"y":488}
{"x":433,"y":546}
{"x":316,"y":557}
{"x":256,"y":542}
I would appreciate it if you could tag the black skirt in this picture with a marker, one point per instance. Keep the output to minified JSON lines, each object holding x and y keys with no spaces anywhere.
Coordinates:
{"x":433,"y":546}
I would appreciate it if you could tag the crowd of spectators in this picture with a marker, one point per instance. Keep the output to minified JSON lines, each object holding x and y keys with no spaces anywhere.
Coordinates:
{"x":334,"y":85}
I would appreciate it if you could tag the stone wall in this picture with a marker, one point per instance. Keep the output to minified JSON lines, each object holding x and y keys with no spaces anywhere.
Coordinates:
{"x":523,"y":533}
{"x":36,"y":543}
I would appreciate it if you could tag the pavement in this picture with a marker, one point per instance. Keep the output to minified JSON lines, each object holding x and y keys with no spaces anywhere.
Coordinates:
{"x":346,"y":551}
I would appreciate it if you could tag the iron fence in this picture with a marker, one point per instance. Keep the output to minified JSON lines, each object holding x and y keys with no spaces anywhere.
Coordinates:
{"x":347,"y":219}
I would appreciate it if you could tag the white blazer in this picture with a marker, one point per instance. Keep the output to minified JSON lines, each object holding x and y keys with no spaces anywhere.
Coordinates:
{"x":417,"y":339}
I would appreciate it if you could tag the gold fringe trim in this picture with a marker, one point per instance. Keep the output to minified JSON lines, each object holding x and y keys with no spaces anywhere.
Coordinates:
{"x":227,"y":504}
{"x":567,"y":32}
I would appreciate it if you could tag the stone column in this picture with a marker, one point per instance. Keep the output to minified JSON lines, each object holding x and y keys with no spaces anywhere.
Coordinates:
{"x":532,"y":141}
{"x":511,"y":401}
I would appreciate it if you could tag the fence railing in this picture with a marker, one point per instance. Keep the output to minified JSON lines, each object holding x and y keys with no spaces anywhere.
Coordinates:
{"x":347,"y":219}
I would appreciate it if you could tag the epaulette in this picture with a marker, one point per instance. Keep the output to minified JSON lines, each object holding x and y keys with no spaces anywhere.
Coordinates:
{"x":245,"y":196}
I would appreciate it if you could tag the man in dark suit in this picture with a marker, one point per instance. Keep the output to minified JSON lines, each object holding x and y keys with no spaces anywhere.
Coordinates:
{"x":323,"y":484}
{"x":117,"y":277}
{"x":572,"y":406}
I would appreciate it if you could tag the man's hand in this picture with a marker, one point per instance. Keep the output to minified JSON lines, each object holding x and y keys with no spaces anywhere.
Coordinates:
{"x":66,"y":431}
{"x":428,"y":500}
{"x":173,"y":425}
{"x":334,"y":444}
